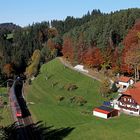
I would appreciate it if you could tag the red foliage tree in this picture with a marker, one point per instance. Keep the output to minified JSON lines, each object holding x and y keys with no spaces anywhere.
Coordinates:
{"x":67,"y":49}
{"x":8,"y":70}
{"x":93,"y":57}
{"x":51,"y":44}
{"x":131,"y":43}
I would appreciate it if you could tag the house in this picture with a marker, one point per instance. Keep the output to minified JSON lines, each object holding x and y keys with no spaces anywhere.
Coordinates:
{"x":123,"y":83}
{"x":129,"y":101}
{"x":105,"y":112}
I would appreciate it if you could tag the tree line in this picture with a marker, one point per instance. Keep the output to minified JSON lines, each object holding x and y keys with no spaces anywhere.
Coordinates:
{"x":98,"y":40}
{"x":110,"y":41}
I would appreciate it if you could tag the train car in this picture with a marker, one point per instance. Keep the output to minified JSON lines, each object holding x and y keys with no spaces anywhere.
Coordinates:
{"x":18,"y":113}
{"x":18,"y":88}
{"x":17,"y":110}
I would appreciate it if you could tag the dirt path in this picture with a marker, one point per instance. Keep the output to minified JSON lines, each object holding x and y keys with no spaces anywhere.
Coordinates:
{"x":91,"y":73}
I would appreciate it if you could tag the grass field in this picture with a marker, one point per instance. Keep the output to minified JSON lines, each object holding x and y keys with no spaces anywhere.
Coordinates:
{"x":44,"y":94}
{"x":5,"y":112}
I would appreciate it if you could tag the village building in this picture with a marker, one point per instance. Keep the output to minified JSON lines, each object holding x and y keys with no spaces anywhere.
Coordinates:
{"x":123,"y":83}
{"x":105,"y":112}
{"x":129,"y":100}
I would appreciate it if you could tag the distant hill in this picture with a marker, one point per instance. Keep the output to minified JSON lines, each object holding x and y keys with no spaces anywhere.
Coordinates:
{"x":9,"y":26}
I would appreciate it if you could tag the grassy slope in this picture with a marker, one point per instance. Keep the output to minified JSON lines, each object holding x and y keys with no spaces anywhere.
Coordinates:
{"x":5,"y":112}
{"x":64,"y":114}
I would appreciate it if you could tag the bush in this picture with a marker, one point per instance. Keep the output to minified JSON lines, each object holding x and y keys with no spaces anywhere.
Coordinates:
{"x":54,"y":83}
{"x":79,"y":100}
{"x":86,"y":112}
{"x":70,"y":87}
{"x":60,"y":98}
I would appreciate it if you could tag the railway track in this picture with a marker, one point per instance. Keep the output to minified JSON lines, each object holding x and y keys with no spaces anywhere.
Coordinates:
{"x":24,"y":122}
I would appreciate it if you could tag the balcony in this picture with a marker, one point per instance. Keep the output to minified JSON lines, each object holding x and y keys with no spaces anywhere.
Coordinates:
{"x":129,"y":108}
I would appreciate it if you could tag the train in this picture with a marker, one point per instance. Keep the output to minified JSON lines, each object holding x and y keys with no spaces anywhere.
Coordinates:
{"x":18,"y":102}
{"x":18,"y":111}
{"x":22,"y":110}
{"x":16,"y":97}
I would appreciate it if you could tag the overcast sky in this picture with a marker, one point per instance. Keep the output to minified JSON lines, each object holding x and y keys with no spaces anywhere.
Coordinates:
{"x":24,"y":12}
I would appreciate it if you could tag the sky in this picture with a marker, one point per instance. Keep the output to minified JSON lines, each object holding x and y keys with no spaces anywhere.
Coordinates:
{"x":25,"y":12}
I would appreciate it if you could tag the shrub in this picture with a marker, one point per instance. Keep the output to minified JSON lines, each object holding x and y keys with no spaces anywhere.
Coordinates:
{"x":60,"y":98}
{"x":70,"y":87}
{"x":86,"y":112}
{"x":54,"y":83}
{"x":79,"y":100}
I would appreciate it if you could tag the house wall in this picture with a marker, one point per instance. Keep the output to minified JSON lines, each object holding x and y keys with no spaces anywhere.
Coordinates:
{"x":128,"y":104}
{"x":99,"y":114}
{"x":131,"y":82}
{"x":116,"y":107}
{"x":131,"y":112}
{"x":124,"y":84}
{"x":128,"y":111}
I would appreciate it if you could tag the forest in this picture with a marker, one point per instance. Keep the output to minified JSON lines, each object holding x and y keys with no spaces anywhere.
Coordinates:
{"x":97,"y":40}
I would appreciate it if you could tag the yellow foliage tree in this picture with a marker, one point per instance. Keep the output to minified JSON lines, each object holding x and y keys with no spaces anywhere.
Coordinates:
{"x":32,"y":69}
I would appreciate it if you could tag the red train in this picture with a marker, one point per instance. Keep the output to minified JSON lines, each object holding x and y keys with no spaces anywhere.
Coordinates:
{"x":18,"y":113}
{"x":17,"y":110}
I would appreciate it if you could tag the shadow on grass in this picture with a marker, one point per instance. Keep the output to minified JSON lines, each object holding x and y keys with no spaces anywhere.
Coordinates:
{"x":37,"y":131}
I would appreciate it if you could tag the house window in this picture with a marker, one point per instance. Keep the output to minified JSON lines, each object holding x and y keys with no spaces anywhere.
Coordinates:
{"x":124,"y":86}
{"x":124,"y":99}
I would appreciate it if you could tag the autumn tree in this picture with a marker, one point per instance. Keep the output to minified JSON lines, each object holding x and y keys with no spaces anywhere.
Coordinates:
{"x":105,"y":89}
{"x":8,"y":70}
{"x":93,"y":58}
{"x":107,"y":57}
{"x":32,"y":69}
{"x":131,"y":52}
{"x":67,"y":49}
{"x":52,"y":32}
{"x":133,"y":59}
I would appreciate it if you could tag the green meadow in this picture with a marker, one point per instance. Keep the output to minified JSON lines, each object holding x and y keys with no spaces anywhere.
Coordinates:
{"x":50,"y":86}
{"x":5,"y":113}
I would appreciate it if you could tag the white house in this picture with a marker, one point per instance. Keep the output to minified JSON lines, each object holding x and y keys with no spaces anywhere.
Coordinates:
{"x":123,"y":83}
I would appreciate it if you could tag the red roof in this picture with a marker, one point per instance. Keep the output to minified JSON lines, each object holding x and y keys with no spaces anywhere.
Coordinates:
{"x":100,"y":110}
{"x":104,"y":109}
{"x":137,"y":85}
{"x":124,"y":79}
{"x":134,"y":93}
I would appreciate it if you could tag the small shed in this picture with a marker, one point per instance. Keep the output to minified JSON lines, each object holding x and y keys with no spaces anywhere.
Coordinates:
{"x":105,"y":112}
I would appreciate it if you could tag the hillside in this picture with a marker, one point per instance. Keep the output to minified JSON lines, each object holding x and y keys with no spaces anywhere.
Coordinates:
{"x":48,"y":108}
